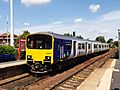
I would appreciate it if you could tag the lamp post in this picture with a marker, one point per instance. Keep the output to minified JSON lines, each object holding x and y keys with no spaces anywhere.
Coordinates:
{"x":119,"y":42}
{"x":11,"y":24}
{"x":7,"y":29}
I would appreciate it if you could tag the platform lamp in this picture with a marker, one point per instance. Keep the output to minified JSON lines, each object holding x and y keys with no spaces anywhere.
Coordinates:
{"x":119,"y":42}
{"x":11,"y":23}
{"x":7,"y":30}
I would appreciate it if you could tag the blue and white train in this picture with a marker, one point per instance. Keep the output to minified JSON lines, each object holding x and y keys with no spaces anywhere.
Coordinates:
{"x":46,"y":50}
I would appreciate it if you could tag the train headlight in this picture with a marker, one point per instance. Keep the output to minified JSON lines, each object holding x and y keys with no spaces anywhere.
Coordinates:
{"x":29,"y":57}
{"x":47,"y":57}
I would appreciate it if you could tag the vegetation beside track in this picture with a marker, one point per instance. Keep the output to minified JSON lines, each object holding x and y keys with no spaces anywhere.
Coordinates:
{"x":7,"y":53}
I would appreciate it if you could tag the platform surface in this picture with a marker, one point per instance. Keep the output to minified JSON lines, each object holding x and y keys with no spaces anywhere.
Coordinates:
{"x":101,"y":79}
{"x":12,"y":63}
{"x":115,"y":84}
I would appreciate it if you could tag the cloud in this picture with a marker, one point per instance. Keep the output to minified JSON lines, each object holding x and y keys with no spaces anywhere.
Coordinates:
{"x":5,"y":0}
{"x":0,"y":16}
{"x":58,"y":22}
{"x":113,"y":15}
{"x":34,"y":2}
{"x":78,"y":20}
{"x":94,"y":7}
{"x":88,"y":29}
{"x":26,"y":24}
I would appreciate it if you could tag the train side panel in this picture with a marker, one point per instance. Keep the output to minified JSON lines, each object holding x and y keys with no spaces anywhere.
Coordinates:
{"x":62,"y":49}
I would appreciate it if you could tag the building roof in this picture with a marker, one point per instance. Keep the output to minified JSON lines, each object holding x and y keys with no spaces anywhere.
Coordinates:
{"x":5,"y":34}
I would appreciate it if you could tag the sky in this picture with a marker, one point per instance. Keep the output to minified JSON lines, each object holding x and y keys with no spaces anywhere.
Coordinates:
{"x":88,"y":18}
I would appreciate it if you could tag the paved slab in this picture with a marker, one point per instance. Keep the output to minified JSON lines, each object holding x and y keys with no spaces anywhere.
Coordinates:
{"x":115,"y":84}
{"x":12,"y":63}
{"x":100,"y":79}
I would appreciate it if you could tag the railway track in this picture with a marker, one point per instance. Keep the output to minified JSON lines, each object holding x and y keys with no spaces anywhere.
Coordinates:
{"x":60,"y":81}
{"x":75,"y":79}
{"x":20,"y":81}
{"x":70,"y":79}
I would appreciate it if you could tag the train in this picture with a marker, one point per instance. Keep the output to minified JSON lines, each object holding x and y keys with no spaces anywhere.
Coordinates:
{"x":46,"y":51}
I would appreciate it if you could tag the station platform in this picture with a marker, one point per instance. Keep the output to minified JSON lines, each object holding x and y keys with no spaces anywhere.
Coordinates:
{"x":12,"y":63}
{"x":105,"y":78}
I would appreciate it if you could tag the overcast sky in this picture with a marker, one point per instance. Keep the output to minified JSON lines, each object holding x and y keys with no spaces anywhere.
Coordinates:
{"x":88,"y":18}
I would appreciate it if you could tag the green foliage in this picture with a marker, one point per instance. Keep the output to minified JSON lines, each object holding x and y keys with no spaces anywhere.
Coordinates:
{"x":8,"y":50}
{"x":110,"y":40}
{"x":116,"y":43}
{"x":68,"y":34}
{"x":100,"y":39}
{"x":80,"y":37}
{"x":112,"y":43}
{"x":22,"y":36}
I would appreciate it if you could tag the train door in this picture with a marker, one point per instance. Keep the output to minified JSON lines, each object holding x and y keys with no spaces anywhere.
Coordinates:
{"x":86,"y":48}
{"x":74,"y":48}
{"x":61,"y":50}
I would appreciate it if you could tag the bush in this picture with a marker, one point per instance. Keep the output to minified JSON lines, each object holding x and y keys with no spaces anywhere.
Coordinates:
{"x":7,"y":53}
{"x":8,"y":50}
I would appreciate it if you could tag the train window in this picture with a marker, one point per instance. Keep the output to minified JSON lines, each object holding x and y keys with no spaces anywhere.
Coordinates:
{"x":99,"y":46}
{"x":95,"y":45}
{"x":105,"y":46}
{"x":39,"y":42}
{"x":89,"y":46}
{"x":102,"y":46}
{"x":83,"y":46}
{"x":79,"y":45}
{"x":68,"y":46}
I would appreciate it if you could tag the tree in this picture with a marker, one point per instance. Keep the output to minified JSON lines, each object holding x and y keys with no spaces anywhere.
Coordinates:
{"x":80,"y":37}
{"x":116,"y":43}
{"x":110,"y":40}
{"x":100,"y":39}
{"x":67,"y":34}
{"x":22,"y":36}
{"x":111,"y":44}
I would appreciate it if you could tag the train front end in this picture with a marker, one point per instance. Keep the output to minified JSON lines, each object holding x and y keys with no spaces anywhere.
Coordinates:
{"x":39,"y":52}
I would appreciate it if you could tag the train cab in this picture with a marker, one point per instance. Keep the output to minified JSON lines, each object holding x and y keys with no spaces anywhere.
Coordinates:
{"x":39,"y":50}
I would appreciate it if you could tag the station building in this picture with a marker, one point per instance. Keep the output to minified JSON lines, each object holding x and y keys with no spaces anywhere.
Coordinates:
{"x":5,"y":37}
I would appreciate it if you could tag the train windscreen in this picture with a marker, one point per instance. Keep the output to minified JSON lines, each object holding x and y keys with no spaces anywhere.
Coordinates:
{"x":39,"y":42}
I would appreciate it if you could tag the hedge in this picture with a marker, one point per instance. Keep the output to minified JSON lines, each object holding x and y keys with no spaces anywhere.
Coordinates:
{"x":8,"y":50}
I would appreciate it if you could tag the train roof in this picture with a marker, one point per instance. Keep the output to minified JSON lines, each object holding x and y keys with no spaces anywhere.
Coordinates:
{"x":60,"y":36}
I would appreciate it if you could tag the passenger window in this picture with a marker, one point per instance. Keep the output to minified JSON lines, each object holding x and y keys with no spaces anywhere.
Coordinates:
{"x":99,"y":46}
{"x":31,"y":44}
{"x":83,"y":46}
{"x":88,"y":46}
{"x":95,"y":45}
{"x":68,"y":46}
{"x":79,"y":45}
